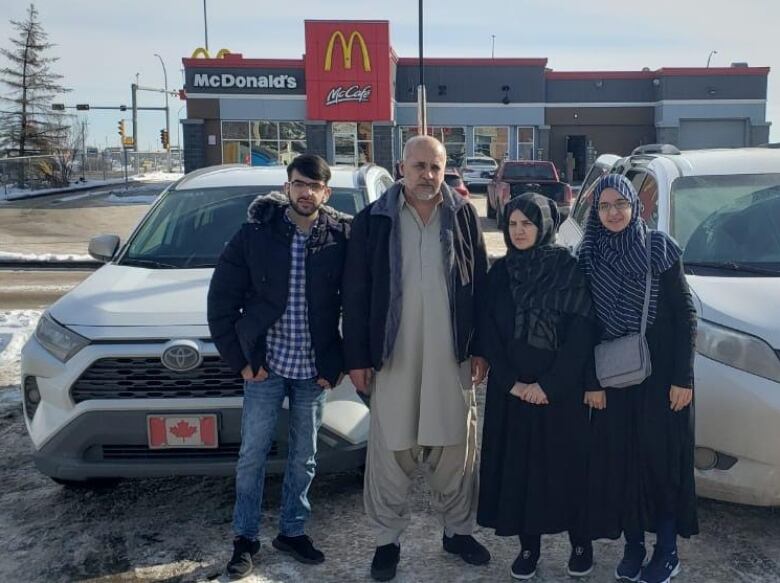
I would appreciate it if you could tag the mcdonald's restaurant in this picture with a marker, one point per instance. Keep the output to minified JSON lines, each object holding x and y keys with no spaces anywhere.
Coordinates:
{"x":352,"y":100}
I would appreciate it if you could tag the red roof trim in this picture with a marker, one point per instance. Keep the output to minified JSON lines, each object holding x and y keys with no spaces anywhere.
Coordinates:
{"x":408,"y":61}
{"x":714,"y":71}
{"x":594,"y":75}
{"x":665,"y":72}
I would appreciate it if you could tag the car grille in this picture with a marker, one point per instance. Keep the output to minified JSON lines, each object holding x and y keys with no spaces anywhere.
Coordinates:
{"x":141,"y":452}
{"x":226,"y":451}
{"x":147,"y":378}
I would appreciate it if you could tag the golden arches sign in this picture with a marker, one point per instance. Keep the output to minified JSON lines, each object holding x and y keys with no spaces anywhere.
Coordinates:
{"x":201,"y":52}
{"x":346,"y":49}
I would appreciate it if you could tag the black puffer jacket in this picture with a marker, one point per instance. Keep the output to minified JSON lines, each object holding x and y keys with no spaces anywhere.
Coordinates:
{"x":250,"y":286}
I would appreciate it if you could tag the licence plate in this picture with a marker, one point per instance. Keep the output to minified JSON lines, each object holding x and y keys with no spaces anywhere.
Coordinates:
{"x":191,"y":431}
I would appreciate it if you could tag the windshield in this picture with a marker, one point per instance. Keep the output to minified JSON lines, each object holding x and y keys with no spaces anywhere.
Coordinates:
{"x":732,"y":222}
{"x":487,"y":162}
{"x":529,"y":171}
{"x":189,"y":228}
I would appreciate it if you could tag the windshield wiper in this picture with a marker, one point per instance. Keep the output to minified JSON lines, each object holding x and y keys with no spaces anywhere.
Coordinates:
{"x":138,"y":262}
{"x":732,"y":266}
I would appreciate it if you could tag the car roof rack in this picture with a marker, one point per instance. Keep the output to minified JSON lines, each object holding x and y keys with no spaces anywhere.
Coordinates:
{"x":656,"y":149}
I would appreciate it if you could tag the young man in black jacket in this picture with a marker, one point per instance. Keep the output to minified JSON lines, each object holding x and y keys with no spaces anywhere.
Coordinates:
{"x":274,"y":306}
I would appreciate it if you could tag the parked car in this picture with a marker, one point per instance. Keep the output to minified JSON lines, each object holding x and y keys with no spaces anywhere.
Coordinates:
{"x":473,"y":169}
{"x":516,"y":177}
{"x":723,"y":208}
{"x":453,"y":179}
{"x":130,"y":346}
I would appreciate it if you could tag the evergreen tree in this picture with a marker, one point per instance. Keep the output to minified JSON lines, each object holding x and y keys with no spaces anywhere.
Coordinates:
{"x":28,"y":126}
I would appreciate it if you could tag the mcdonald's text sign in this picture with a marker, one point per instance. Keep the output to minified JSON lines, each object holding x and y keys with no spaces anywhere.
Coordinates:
{"x":348,"y":71}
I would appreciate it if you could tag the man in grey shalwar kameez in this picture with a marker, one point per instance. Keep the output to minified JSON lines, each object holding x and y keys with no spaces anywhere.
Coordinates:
{"x":415,"y":270}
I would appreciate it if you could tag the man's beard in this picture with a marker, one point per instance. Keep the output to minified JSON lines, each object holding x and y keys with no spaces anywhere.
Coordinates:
{"x":298,"y":210}
{"x":422,"y":196}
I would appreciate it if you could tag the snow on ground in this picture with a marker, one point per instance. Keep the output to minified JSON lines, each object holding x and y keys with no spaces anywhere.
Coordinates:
{"x":133,"y":199}
{"x":178,"y":529}
{"x":13,"y":193}
{"x":53,"y":257}
{"x":16,"y":326}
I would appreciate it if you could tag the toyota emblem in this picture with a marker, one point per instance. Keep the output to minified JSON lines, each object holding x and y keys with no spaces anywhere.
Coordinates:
{"x":181,"y":356}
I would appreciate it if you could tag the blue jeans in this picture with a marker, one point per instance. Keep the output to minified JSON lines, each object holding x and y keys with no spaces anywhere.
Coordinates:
{"x":262,"y":402}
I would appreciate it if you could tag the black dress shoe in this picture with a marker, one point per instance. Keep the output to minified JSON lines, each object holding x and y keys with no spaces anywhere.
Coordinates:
{"x":299,"y":547}
{"x":467,"y":548}
{"x":385,"y":562}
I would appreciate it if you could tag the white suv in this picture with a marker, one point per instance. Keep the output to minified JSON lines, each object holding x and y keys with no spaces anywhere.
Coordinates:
{"x":723,"y":208}
{"x":129,"y":348}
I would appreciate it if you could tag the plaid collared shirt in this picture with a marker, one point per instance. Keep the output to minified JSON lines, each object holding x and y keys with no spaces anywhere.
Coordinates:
{"x":289,"y":350}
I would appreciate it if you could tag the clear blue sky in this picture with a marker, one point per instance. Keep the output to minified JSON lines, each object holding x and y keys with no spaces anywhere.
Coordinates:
{"x":102,"y":45}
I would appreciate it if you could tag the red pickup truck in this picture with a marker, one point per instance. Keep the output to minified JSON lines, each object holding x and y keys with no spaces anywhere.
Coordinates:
{"x":514,"y":178}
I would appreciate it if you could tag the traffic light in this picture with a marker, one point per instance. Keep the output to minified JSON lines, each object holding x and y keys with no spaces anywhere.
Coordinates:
{"x":164,"y":138}
{"x":121,"y":128}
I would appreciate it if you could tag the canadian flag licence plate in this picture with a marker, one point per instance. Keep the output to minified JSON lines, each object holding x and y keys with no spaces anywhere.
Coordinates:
{"x":192,"y":431}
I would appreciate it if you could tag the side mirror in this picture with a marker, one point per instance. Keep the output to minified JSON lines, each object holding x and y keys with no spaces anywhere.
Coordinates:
{"x":103,"y":247}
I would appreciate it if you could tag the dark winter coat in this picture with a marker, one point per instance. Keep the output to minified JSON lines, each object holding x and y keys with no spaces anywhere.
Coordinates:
{"x":372,"y":278}
{"x":250,"y":287}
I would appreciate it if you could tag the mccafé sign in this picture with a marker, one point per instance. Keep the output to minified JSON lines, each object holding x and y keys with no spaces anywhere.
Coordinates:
{"x":348,"y":71}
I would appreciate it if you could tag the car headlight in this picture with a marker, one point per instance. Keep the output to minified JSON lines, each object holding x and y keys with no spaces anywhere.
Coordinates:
{"x":57,"y":339}
{"x":738,"y":350}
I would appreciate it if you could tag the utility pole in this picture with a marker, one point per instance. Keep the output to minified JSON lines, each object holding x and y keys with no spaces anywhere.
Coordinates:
{"x":206,"y":25}
{"x":83,"y":151}
{"x":493,"y":47}
{"x":167,"y":113}
{"x":134,"y":91}
{"x":422,"y":114}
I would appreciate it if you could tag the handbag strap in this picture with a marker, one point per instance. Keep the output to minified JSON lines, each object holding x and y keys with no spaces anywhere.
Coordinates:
{"x":649,"y":279}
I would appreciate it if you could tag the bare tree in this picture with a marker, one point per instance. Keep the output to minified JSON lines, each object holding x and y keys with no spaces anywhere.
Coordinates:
{"x":28,"y":126}
{"x":57,"y":170}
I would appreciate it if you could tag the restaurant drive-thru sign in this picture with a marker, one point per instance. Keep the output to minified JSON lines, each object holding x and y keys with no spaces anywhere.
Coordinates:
{"x":348,"y":71}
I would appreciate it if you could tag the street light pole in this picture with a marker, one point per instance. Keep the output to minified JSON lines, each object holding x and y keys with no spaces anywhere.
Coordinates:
{"x":710,"y":57}
{"x":422,"y":114}
{"x":167,"y":112}
{"x":206,"y":26}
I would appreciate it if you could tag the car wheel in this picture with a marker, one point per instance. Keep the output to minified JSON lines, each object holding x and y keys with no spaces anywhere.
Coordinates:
{"x":491,"y":212}
{"x":90,"y":484}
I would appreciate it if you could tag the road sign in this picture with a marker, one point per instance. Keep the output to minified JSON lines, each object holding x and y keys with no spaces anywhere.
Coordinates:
{"x":128,"y":141}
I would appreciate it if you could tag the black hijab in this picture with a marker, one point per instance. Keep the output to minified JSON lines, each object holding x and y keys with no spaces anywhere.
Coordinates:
{"x":545,"y":280}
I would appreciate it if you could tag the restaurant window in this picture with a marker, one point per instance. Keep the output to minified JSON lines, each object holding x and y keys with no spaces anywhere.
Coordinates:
{"x":277,"y":142}
{"x":492,"y":142}
{"x":525,"y":144}
{"x":353,"y":143}
{"x":453,"y":138}
{"x":262,"y":143}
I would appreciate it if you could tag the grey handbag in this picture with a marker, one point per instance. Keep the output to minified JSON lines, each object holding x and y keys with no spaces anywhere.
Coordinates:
{"x":625,"y":361}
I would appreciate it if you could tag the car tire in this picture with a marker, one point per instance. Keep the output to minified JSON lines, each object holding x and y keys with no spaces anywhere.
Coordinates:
{"x":491,"y":212}
{"x":90,"y":484}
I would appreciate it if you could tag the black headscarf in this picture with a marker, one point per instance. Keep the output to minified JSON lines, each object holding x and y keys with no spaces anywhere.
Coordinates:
{"x":545,"y":280}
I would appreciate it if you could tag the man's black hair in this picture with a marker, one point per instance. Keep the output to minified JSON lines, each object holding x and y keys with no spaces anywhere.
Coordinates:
{"x":311,"y":166}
